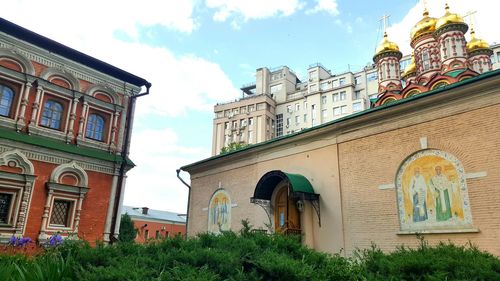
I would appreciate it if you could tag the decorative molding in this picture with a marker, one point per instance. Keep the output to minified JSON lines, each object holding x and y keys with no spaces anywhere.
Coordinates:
{"x":386,"y":186}
{"x":63,"y":73}
{"x":79,"y":71}
{"x":73,"y":167}
{"x":476,"y":175}
{"x":15,"y":54}
{"x":15,"y":158}
{"x":50,"y":156}
{"x":423,"y":142}
{"x":106,"y":89}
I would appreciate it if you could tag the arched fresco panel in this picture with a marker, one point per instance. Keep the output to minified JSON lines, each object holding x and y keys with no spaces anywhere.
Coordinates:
{"x":219,"y":212}
{"x":432,"y":193}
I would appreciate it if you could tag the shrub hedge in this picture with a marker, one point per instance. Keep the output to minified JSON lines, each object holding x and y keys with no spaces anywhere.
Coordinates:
{"x":247,"y":256}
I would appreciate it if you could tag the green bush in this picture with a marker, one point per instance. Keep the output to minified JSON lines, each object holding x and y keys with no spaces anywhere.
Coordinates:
{"x":247,"y":256}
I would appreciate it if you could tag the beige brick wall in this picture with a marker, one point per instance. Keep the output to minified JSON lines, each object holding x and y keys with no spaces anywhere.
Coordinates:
{"x":346,"y":162}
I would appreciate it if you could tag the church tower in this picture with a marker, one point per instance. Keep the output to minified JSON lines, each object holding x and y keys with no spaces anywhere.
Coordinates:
{"x":450,"y":35}
{"x":387,"y":58}
{"x":410,"y":71}
{"x":479,"y":52}
{"x":426,"y":49}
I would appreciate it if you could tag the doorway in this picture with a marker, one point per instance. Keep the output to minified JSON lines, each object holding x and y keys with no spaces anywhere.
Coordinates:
{"x":286,"y":214}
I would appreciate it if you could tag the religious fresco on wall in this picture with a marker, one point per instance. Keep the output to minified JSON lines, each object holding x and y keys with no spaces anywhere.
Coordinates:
{"x":219,"y":212}
{"x":432,"y":193}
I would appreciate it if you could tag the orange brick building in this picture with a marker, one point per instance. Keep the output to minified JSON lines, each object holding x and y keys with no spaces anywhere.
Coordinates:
{"x":155,"y":224}
{"x":65,"y":120}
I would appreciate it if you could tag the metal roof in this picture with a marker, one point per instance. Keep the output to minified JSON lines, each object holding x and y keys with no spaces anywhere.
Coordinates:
{"x":52,"y":46}
{"x":136,"y":212}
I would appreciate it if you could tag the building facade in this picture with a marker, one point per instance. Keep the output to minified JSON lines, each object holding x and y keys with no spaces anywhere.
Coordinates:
{"x":155,"y":224}
{"x":65,"y":121}
{"x":424,"y":164}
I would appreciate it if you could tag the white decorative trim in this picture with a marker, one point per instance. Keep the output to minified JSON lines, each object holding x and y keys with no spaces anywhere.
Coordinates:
{"x":386,"y":186}
{"x":63,"y":73}
{"x":14,"y":54}
{"x":475,"y":175}
{"x":79,"y":71}
{"x":73,"y":167}
{"x":423,"y":142}
{"x":19,"y":159}
{"x":106,"y":89}
{"x":54,"y":157}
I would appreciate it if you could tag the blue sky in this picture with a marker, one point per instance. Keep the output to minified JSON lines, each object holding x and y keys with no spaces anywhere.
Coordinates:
{"x":199,"y":52}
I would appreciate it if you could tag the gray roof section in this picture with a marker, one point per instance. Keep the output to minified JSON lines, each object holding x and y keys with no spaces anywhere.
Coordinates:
{"x":136,"y":212}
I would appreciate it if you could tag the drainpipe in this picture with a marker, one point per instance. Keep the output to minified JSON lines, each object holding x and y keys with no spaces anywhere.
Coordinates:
{"x":123,"y":166}
{"x":189,"y":199}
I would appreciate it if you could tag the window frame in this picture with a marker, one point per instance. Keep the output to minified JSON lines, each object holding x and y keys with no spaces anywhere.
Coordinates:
{"x":71,"y":213}
{"x":54,"y":102}
{"x":4,"y":87}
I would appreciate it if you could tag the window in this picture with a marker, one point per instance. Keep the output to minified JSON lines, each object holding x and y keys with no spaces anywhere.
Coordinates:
{"x":95,"y":127}
{"x":492,"y":58}
{"x":157,"y":235}
{"x":226,"y":125}
{"x":52,"y":114}
{"x":372,"y":76}
{"x":357,"y":95}
{"x":60,"y":213}
{"x":5,"y":202}
{"x":297,"y":107}
{"x":336,"y":111}
{"x":288,"y":122}
{"x":6,"y":97}
{"x":356,"y":106}
{"x":343,"y":109}
{"x":426,"y":60}
{"x":323,"y":99}
{"x":335,"y":97}
{"x":498,"y":56}
{"x":251,"y":108}
{"x":297,"y":119}
{"x":342,"y":81}
{"x":324,"y":86}
{"x":250,"y":136}
{"x":305,"y":118}
{"x":146,"y":234}
{"x":343,"y":95}
{"x":305,"y":104}
{"x":250,"y":121}
{"x":279,"y":125}
{"x":276,"y":88}
{"x":324,"y":113}
{"x":289,"y":108}
{"x":357,"y":80}
{"x":243,"y":123}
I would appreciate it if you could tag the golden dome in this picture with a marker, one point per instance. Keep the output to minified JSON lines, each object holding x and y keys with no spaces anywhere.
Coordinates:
{"x":386,"y":46}
{"x":449,"y":18}
{"x":411,"y":67}
{"x":425,"y":25}
{"x":476,"y":43}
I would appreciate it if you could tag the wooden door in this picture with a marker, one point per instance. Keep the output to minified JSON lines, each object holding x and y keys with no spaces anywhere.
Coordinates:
{"x":286,"y":216}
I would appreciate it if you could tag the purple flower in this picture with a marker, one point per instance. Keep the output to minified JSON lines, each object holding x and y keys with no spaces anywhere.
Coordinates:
{"x":55,"y":240}
{"x":23,"y":241}
{"x":13,"y":240}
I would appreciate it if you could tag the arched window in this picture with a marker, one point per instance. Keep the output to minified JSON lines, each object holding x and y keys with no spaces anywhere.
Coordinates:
{"x":426,"y":60}
{"x":6,"y":98}
{"x":95,"y":127}
{"x":52,"y":114}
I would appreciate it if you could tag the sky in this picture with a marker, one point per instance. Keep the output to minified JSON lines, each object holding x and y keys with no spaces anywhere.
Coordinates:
{"x":200,"y":52}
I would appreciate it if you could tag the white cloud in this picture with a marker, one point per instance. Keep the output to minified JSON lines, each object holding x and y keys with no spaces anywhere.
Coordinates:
{"x":329,"y":6}
{"x":487,"y":12}
{"x":180,"y":82}
{"x":153,"y":182}
{"x":243,"y":10}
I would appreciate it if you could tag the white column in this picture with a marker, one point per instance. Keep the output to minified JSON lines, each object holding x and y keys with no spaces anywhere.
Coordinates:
{"x":109,"y":215}
{"x":112,"y":143}
{"x":45,"y":216}
{"x":36,"y":105}
{"x":119,"y":212}
{"x":72,"y":118}
{"x":22,"y":111}
{"x":82,"y":120}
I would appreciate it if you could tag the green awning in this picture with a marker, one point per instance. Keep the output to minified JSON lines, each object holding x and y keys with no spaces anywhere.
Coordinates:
{"x":300,"y":187}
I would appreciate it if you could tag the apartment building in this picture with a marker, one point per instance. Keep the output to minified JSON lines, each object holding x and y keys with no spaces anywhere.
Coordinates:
{"x":279,"y":103}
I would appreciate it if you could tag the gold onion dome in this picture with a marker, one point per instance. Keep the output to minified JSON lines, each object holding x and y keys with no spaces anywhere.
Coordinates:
{"x":476,"y":43}
{"x":411,"y":67}
{"x":449,"y":18}
{"x":386,"y":46}
{"x":424,"y":26}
